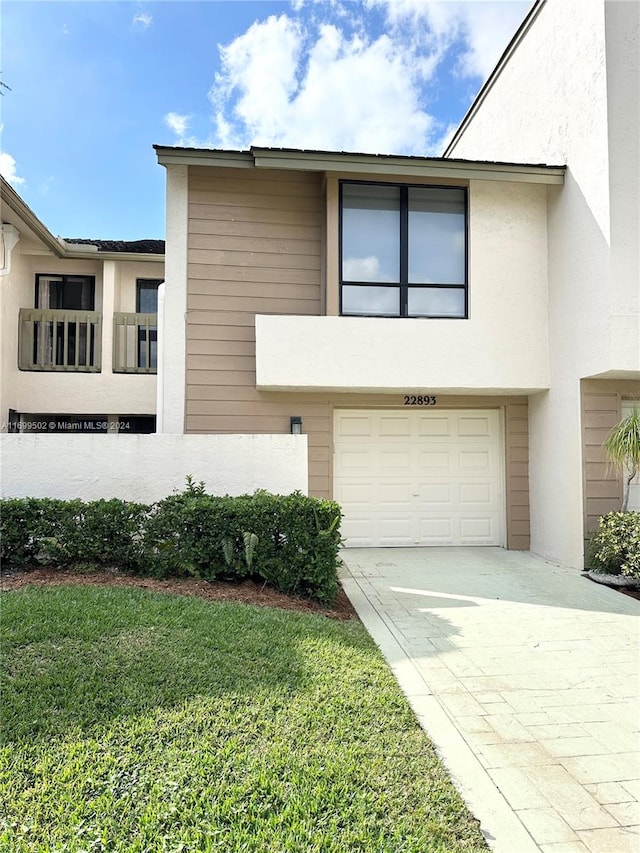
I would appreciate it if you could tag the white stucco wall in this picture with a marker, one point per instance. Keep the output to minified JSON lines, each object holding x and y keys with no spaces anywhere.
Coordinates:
{"x":501,"y":347}
{"x":147,"y":468}
{"x":72,"y":393}
{"x":550,"y":104}
{"x":174,"y":334}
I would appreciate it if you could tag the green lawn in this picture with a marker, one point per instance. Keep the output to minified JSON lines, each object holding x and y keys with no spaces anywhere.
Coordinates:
{"x":135,"y":721}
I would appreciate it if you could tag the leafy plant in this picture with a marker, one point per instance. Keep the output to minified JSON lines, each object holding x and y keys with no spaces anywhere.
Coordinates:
{"x":290,"y":541}
{"x":622,"y":447}
{"x":614,"y":547}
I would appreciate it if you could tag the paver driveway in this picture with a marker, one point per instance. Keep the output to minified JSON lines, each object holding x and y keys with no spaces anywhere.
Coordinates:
{"x":525,"y":675}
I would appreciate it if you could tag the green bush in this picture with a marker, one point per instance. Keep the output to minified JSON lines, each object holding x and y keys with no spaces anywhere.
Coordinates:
{"x":614,"y":547}
{"x":291,"y":542}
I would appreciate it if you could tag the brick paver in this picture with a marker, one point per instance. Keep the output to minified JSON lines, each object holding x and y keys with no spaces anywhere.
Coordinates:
{"x":526,"y":676}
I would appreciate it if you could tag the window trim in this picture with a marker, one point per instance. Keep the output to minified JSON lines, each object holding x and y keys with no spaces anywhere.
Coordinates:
{"x":148,"y":284}
{"x":403,"y":284}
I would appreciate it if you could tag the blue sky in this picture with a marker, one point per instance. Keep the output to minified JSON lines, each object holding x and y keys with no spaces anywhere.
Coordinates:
{"x":95,"y":84}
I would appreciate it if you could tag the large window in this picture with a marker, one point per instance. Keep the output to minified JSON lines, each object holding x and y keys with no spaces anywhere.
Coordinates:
{"x":403,"y":251}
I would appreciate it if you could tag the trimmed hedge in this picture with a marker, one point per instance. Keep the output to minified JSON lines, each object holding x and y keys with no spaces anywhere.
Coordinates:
{"x":290,"y":541}
{"x":614,"y":547}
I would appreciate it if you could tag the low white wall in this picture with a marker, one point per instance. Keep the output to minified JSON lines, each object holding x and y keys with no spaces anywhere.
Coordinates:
{"x":147,"y":468}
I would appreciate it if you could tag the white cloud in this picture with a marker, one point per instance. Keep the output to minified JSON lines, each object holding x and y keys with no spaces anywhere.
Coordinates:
{"x":177,"y":123}
{"x":142,"y":19}
{"x":8,"y":170}
{"x":361,"y":269}
{"x":482,"y":29}
{"x":282,"y":85}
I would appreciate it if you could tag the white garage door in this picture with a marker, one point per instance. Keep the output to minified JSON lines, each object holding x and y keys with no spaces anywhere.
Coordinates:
{"x":419,"y":477}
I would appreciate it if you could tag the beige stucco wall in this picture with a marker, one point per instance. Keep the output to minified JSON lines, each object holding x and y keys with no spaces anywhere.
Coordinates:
{"x":72,"y":393}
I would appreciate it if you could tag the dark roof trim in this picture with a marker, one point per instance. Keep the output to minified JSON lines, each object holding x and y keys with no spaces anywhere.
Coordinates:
{"x":342,"y":161}
{"x":492,"y":78}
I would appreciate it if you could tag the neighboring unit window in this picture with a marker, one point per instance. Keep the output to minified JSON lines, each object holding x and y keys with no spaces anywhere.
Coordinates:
{"x":69,"y":340}
{"x":147,"y":303}
{"x":403,"y":251}
{"x":66,"y":292}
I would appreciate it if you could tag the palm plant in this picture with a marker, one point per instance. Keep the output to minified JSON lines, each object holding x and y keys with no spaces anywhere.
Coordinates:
{"x":622,"y":447}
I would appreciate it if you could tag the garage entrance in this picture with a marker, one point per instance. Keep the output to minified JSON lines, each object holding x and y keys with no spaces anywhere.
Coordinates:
{"x":418,"y":477}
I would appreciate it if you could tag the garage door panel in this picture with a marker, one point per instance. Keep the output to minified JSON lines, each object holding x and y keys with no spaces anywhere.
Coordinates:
{"x":434,"y":460}
{"x":478,"y":460}
{"x":434,"y":426}
{"x":395,"y":460}
{"x":477,"y":531}
{"x":394,"y":495}
{"x":352,"y":460}
{"x":474,"y":426}
{"x":354,"y":425}
{"x":419,"y":478}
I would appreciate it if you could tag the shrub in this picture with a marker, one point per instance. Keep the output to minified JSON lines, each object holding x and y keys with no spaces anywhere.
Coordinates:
{"x":291,"y":541}
{"x":614,"y":547}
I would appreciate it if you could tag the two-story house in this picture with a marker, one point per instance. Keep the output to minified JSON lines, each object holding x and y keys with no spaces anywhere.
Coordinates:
{"x":78,"y":339}
{"x":394,"y":309}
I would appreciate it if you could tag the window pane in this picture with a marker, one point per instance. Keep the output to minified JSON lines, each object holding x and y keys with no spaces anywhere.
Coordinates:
{"x":370,"y":233}
{"x":436,"y":236}
{"x":370,"y":300}
{"x":147,"y":297}
{"x":436,"y":302}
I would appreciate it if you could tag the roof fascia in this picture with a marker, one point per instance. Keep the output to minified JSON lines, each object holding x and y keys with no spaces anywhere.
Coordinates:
{"x":13,"y":201}
{"x":168,"y":156}
{"x":407,"y":166}
{"x":365,"y":164}
{"x":60,"y":248}
{"x":492,"y":78}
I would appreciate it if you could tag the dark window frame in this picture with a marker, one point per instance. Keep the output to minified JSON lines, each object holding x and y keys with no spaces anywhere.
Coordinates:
{"x":403,"y":284}
{"x":150,"y":284}
{"x":147,"y":284}
{"x":66,"y":279}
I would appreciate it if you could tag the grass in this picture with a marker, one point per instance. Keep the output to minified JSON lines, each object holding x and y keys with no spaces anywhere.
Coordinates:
{"x":135,"y":721}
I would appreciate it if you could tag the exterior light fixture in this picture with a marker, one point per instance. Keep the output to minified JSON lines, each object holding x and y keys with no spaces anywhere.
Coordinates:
{"x":296,"y":425}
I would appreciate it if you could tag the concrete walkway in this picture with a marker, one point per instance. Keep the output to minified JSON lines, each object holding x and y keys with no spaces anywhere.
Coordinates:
{"x":525,"y":675}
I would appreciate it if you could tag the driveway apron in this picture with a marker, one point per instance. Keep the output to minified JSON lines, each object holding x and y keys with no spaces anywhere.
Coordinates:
{"x":525,"y":675}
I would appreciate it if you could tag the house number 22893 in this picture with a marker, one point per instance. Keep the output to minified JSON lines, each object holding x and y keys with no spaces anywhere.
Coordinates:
{"x":419,"y":400}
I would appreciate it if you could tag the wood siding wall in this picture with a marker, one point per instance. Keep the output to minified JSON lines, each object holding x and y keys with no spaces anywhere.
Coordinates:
{"x":601,"y":411}
{"x":256,"y":246}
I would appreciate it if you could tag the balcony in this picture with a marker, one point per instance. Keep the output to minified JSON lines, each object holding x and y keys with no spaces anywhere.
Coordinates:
{"x":401,"y":355}
{"x":58,"y":340}
{"x":135,"y":343}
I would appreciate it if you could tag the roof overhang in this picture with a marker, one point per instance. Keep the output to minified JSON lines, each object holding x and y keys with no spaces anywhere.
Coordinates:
{"x":59,"y":247}
{"x":365,"y":164}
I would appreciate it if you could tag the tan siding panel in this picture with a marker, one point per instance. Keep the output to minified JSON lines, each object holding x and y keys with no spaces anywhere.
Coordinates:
{"x":252,"y":290}
{"x":199,"y":213}
{"x":262,"y":306}
{"x":268,"y":245}
{"x":234,"y":228}
{"x":198,"y":346}
{"x":253,"y":202}
{"x":263,"y":260}
{"x":227,"y":273}
{"x":221,"y":332}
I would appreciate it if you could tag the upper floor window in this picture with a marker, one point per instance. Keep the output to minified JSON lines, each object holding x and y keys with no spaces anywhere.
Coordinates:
{"x":403,"y":250}
{"x":147,"y":303}
{"x":66,"y":292}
